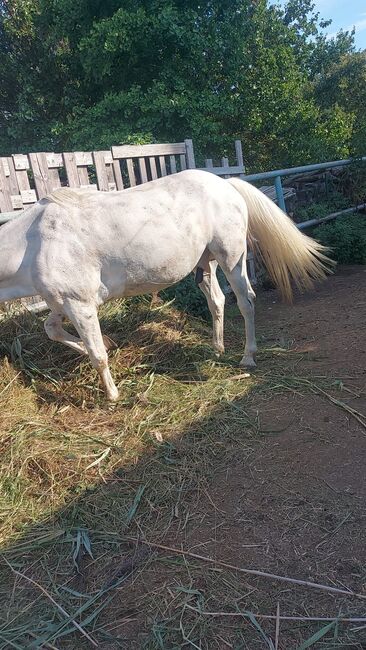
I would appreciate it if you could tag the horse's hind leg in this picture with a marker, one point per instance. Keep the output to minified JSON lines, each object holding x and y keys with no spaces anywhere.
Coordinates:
{"x":239,"y":281}
{"x":84,"y":317}
{"x":216,"y":302}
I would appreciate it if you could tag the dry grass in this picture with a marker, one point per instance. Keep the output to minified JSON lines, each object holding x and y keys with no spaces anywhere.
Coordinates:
{"x":79,"y":478}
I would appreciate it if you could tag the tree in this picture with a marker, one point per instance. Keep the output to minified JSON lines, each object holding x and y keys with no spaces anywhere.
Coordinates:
{"x":100,"y":72}
{"x":343,"y":87}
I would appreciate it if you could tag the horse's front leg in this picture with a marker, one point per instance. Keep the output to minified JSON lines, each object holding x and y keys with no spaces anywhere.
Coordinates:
{"x":84,"y":317}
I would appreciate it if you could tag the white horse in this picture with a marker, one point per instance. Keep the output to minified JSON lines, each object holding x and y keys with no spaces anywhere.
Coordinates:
{"x":80,"y":248}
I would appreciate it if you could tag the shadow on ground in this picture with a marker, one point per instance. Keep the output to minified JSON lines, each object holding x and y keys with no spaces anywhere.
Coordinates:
{"x":262,"y":472}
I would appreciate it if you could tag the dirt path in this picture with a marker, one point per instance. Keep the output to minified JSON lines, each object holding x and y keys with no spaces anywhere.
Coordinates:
{"x":297,"y":505}
{"x":294,"y":504}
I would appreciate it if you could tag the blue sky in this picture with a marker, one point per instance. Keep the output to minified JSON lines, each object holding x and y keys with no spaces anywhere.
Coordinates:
{"x":344,"y":14}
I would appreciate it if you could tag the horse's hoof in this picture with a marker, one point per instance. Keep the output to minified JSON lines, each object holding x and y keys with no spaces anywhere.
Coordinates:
{"x":247,"y":362}
{"x":113,"y":396}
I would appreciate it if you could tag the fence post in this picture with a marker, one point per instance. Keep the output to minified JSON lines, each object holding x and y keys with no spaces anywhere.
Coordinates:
{"x":191,"y":163}
{"x":279,"y":192}
{"x":225,"y":163}
{"x":239,"y":156}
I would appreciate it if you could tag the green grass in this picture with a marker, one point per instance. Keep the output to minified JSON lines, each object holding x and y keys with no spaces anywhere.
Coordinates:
{"x":79,"y":478}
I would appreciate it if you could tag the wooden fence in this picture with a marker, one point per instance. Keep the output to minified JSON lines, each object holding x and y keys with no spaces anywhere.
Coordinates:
{"x":24,"y":179}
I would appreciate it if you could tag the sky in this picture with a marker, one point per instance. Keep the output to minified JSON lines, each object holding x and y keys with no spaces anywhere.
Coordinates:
{"x":345,"y":14}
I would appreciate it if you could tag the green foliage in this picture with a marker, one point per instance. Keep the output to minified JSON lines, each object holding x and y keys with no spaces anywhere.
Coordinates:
{"x":188,"y":297}
{"x":342,"y":86}
{"x":92,"y":74}
{"x":336,"y":201}
{"x":346,"y":237}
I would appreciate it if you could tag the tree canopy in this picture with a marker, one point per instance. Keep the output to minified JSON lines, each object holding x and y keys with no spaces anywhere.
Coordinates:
{"x":93,"y":73}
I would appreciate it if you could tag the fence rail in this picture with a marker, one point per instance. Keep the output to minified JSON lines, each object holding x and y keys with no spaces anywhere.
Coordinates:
{"x":24,"y":179}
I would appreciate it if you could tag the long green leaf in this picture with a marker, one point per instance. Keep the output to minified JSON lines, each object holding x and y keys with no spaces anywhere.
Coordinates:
{"x":318,"y":635}
{"x":264,"y":636}
{"x":136,"y":502}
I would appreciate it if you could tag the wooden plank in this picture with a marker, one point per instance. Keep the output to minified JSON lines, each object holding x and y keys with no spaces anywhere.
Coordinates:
{"x":117,"y":174}
{"x":6,"y":166}
{"x":21,"y":164}
{"x":54,"y":178}
{"x":83,"y":176}
{"x":173,"y":165}
{"x":13,"y":180}
{"x":101,"y":171}
{"x":71,"y":169}
{"x":109,"y":170}
{"x":46,"y":180}
{"x":5,"y":194}
{"x":108,"y":158}
{"x":83,"y":158}
{"x":54,"y":160}
{"x":16,"y":201}
{"x":147,"y":150}
{"x":38,"y":162}
{"x":154,"y":171}
{"x":20,"y":161}
{"x":239,"y":156}
{"x":143,"y":172}
{"x":28,"y":196}
{"x":50,"y":176}
{"x":131,"y":172}
{"x":225,"y":164}
{"x":162,"y":165}
{"x":191,"y":163}
{"x":23,"y":180}
{"x":183,"y":163}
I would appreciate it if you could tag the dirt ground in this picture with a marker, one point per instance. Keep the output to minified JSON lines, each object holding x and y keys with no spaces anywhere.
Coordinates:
{"x":267,"y":475}
{"x":294,"y":504}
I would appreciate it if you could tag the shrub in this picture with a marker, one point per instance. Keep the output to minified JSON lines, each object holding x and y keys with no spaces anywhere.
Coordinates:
{"x":188,"y":297}
{"x":346,"y":237}
{"x":317,"y":210}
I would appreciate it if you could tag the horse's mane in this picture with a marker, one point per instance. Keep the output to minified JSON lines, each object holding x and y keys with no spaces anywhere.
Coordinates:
{"x":67,"y":196}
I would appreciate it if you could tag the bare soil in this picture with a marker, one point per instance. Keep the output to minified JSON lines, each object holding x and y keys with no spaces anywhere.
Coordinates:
{"x":294,"y":503}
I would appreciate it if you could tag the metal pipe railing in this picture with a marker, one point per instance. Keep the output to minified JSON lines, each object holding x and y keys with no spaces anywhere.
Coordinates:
{"x":277,"y":174}
{"x":291,"y":171}
{"x":342,"y":213}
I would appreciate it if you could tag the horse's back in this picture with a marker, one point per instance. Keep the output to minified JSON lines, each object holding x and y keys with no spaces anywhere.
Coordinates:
{"x":134,"y":241}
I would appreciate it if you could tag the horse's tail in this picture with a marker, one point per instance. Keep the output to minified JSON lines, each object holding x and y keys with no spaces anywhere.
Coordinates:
{"x":286,"y":252}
